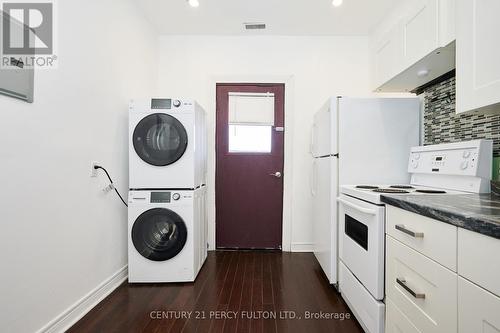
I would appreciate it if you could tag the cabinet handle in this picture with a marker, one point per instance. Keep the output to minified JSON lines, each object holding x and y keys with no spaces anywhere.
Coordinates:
{"x":412,"y":233}
{"x":402,"y":283}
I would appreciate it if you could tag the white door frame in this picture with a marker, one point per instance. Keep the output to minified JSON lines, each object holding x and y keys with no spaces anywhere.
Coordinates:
{"x":288,"y":81}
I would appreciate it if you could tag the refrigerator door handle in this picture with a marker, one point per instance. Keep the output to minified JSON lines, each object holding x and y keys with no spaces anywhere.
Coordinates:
{"x":313,"y":178}
{"x":311,"y":145}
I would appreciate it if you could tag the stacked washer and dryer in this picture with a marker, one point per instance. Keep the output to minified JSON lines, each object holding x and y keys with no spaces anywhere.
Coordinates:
{"x":167,"y":220}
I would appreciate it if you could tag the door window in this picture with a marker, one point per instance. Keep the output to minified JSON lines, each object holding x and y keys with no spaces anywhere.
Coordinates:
{"x":159,"y":234}
{"x":160,"y":139}
{"x":251,"y":121}
{"x":250,"y":139}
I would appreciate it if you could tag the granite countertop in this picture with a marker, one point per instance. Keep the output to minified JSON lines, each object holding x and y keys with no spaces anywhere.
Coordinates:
{"x":475,"y":212}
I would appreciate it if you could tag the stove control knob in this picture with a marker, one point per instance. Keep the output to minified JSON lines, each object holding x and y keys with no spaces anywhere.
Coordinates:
{"x":414,"y":164}
{"x":177,"y":103}
{"x":466,"y":154}
{"x":464,"y":165}
{"x":176,"y":196}
{"x":416,"y":156}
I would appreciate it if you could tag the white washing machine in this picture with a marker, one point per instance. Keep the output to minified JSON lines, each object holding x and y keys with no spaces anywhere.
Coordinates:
{"x":167,"y":144}
{"x":167,"y":235}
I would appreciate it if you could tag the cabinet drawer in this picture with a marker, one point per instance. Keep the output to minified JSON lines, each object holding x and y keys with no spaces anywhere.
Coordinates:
{"x":478,"y":310}
{"x":396,"y":321}
{"x":424,"y":291}
{"x":478,"y":259}
{"x":437,"y":240}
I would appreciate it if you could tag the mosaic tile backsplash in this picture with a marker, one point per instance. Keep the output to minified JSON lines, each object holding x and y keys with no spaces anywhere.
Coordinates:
{"x":443,"y":125}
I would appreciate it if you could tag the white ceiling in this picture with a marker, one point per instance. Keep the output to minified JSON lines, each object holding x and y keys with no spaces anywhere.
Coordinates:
{"x":283,"y":17}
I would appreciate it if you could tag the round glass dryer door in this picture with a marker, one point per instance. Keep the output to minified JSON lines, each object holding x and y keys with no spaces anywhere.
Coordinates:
{"x":159,"y":234}
{"x":160,"y":139}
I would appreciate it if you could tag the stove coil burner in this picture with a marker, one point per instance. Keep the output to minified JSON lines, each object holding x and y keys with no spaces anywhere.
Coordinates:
{"x":390,"y":190}
{"x":367,"y":187}
{"x":431,"y":191}
{"x":402,"y":187}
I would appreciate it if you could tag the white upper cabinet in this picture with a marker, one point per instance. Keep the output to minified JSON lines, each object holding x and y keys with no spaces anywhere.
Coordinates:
{"x":416,"y":45}
{"x":387,"y":56}
{"x":420,"y":32}
{"x":447,"y":21}
{"x":478,"y":55}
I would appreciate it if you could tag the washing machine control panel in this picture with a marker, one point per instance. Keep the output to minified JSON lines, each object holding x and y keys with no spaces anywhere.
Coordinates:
{"x":161,"y":197}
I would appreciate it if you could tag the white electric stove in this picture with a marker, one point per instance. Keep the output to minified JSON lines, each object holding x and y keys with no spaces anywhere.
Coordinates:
{"x":446,"y":169}
{"x":373,"y":193}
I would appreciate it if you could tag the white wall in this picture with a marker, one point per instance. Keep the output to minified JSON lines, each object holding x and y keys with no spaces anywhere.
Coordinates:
{"x":62,"y":237}
{"x":319,"y":66}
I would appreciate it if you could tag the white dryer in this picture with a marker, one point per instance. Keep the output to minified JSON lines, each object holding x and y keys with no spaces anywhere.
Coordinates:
{"x":167,"y":144}
{"x":167,"y":235}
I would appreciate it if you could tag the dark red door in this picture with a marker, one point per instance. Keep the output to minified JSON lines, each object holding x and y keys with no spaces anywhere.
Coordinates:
{"x":249,"y":171}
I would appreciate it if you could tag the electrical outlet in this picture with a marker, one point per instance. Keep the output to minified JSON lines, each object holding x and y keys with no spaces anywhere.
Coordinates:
{"x":108,"y":188}
{"x":93,"y":171}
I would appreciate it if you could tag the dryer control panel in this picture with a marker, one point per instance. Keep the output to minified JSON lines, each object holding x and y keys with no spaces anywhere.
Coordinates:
{"x":158,"y":105}
{"x":164,"y":103}
{"x":161,"y":104}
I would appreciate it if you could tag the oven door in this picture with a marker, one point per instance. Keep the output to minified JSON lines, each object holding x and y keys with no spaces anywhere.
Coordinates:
{"x":361,"y":242}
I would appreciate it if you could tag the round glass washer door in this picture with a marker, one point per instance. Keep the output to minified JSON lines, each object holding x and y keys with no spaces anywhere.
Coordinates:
{"x":159,"y":234}
{"x":160,"y":139}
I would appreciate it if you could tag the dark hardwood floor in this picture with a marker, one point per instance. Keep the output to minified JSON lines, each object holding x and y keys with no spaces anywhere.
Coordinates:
{"x":248,"y":287}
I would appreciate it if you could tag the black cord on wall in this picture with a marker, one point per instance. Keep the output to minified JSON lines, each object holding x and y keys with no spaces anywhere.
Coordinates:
{"x":112,"y":184}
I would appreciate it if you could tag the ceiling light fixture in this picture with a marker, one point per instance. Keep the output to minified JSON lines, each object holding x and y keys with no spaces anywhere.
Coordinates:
{"x":193,"y":3}
{"x":337,"y":3}
{"x":423,"y":73}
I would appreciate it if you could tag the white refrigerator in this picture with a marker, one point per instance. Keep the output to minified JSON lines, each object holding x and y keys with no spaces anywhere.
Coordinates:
{"x":356,"y":141}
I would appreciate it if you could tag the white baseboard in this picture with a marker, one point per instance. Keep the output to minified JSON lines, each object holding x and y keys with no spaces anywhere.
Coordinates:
{"x":79,"y":309}
{"x":302,"y":247}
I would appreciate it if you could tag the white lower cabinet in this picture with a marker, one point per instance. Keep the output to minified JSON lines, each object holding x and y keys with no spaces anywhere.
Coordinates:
{"x":396,"y":321}
{"x":437,"y":241}
{"x":422,"y":289}
{"x":475,"y":261}
{"x":425,"y":291}
{"x":478,"y":309}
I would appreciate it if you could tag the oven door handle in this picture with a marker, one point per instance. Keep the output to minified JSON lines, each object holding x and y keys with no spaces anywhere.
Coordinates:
{"x":354,"y":206}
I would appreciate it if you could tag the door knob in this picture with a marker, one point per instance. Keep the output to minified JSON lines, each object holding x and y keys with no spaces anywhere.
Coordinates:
{"x":277,"y":174}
